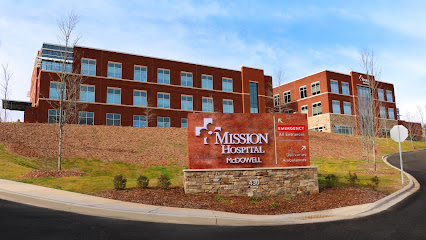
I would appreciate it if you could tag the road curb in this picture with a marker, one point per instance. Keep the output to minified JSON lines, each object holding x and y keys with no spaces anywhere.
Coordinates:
{"x":96,"y":206}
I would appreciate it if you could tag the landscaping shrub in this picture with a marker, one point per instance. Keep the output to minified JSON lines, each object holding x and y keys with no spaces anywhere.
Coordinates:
{"x":119,"y":182}
{"x":142,"y":181}
{"x":331,"y":180}
{"x":163,"y":181}
{"x":274,"y":204}
{"x":353,"y":179}
{"x":374,"y":182}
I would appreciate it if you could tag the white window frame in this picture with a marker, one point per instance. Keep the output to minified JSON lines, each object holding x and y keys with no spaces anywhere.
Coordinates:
{"x":192,"y":102}
{"x":94,"y":92}
{"x":307,"y":109}
{"x":56,"y":115}
{"x":146,"y":120}
{"x":223,"y":104}
{"x":121,"y":70}
{"x":202,"y":105}
{"x":313,"y":109}
{"x":192,"y":81}
{"x":393,"y":116}
{"x":350,"y":108}
{"x":277,"y":97}
{"x":164,"y":93}
{"x":93,"y":122}
{"x":158,"y":79}
{"x":106,"y":118}
{"x":378,"y":95}
{"x":232,"y":84}
{"x":58,"y":90}
{"x":300,"y":92}
{"x":146,"y":73}
{"x":181,"y":123}
{"x":202,"y":85}
{"x":158,"y":118}
{"x":349,"y":92}
{"x":81,"y":70}
{"x":288,"y":96}
{"x":387,"y":100}
{"x":384,"y":116}
{"x":331,"y":86}
{"x":146,"y":96}
{"x":312,"y":88}
{"x":332,"y":106}
{"x":114,"y":94}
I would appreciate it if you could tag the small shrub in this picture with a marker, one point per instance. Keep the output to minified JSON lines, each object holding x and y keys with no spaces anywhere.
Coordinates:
{"x":374,"y":182}
{"x":331,"y":180}
{"x":142,"y":181}
{"x":218,"y":198}
{"x":353,"y":179}
{"x":288,"y":197}
{"x":119,"y":182}
{"x":265,"y":198}
{"x":228,"y":201}
{"x":163,"y":181}
{"x":253,"y":198}
{"x":253,"y":202}
{"x":274,"y":204}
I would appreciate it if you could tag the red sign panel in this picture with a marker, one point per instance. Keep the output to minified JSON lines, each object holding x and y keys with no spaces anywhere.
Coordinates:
{"x":242,"y":140}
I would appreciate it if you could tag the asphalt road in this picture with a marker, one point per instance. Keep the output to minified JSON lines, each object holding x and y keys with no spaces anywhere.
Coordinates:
{"x":406,"y":220}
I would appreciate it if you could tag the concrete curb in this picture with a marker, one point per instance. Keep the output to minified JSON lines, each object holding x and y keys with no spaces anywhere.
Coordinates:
{"x":96,"y":206}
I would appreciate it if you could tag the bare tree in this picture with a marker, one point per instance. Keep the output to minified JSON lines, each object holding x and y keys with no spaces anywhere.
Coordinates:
{"x":5,"y":85}
{"x":421,"y":115}
{"x":279,"y":81}
{"x":410,"y":127}
{"x":149,"y":112}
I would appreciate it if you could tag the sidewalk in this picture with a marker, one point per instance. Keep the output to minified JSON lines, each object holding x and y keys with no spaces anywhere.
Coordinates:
{"x":96,"y":206}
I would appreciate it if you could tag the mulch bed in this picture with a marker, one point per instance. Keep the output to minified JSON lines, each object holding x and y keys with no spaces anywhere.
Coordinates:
{"x":42,"y":173}
{"x":175,"y":197}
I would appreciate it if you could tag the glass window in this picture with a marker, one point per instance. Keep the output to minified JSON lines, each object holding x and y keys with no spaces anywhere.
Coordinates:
{"x":207,"y":105}
{"x":87,"y":93}
{"x":53,"y":116}
{"x":139,"y":121}
{"x":391,"y":113}
{"x":385,"y":132}
{"x":139,"y":74}
{"x":303,"y":93}
{"x":163,"y":122}
{"x":139,"y":98}
{"x":343,"y":130}
{"x":207,"y":82}
{"x":276,"y":100}
{"x":316,"y":109}
{"x":55,"y":90}
{"x":163,"y":76}
{"x":186,"y":79}
{"x":55,"y":66}
{"x":88,"y":67}
{"x":345,"y":88}
{"x":114,"y":70}
{"x":186,"y":102}
{"x":227,"y":84}
{"x":336,"y":106}
{"x":254,"y":105}
{"x":228,"y":106}
{"x":315,"y":87}
{"x":114,"y":96}
{"x":317,"y":129}
{"x":381,"y":94}
{"x":287,"y":97}
{"x":113,"y":119}
{"x":184,"y":123}
{"x":163,"y":100}
{"x":334,"y":86}
{"x":347,"y":108}
{"x":304,"y":109}
{"x":382,"y":112}
{"x":389,"y":96}
{"x":86,"y":118}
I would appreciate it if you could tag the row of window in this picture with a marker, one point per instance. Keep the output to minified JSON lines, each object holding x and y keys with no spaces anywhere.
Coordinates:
{"x":87,"y":94}
{"x":389,"y":97}
{"x":88,"y":67}
{"x":391,"y":113}
{"x":316,"y":109}
{"x":114,"y":119}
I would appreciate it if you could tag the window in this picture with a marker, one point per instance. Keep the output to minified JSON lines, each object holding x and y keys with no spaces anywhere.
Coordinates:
{"x":228,"y":106}
{"x":389,"y":96}
{"x":254,"y":106}
{"x":382,"y":112}
{"x":114,"y":70}
{"x":163,"y":122}
{"x":315,"y":87}
{"x":343,"y":130}
{"x":139,"y":98}
{"x":317,"y":129}
{"x":304,"y":109}
{"x":53,"y":116}
{"x":207,"y":82}
{"x":139,"y":121}
{"x":381,"y":94}
{"x":87,"y":93}
{"x":303,"y":92}
{"x":86,"y":118}
{"x":227,"y":84}
{"x":184,"y":123}
{"x":114,"y":96}
{"x":336,"y":106}
{"x":163,"y":76}
{"x":385,"y":132}
{"x":55,"y":90}
{"x":391,"y":113}
{"x":277,"y":100}
{"x":287,"y":97}
{"x":113,"y":119}
{"x":163,"y":100}
{"x":334,"y":86}
{"x":347,"y":108}
{"x":345,"y":88}
{"x":88,"y":67}
{"x":139,"y":74}
{"x":186,"y":102}
{"x":316,"y":109}
{"x":207,"y":105}
{"x":55,"y":66}
{"x":186,"y":79}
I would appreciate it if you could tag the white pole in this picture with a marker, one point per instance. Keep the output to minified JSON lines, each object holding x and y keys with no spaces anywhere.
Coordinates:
{"x":400,"y":157}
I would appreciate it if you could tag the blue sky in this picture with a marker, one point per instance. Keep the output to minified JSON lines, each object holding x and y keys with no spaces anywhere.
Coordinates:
{"x":300,"y":37}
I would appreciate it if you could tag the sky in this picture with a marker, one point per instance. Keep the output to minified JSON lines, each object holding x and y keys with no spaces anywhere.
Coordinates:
{"x":299,"y":37}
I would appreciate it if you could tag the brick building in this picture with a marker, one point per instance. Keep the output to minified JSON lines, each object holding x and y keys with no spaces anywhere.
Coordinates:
{"x":131,"y":90}
{"x":331,"y":101}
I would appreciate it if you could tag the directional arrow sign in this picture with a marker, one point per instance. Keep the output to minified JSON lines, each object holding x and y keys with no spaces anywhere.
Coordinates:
{"x":399,"y":133}
{"x":303,"y":147}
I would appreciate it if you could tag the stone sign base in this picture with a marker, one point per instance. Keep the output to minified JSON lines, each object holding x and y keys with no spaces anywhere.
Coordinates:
{"x":257,"y":182}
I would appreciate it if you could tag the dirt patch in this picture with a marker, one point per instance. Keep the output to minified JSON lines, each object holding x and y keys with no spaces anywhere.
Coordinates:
{"x":175,"y":197}
{"x":42,"y":173}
